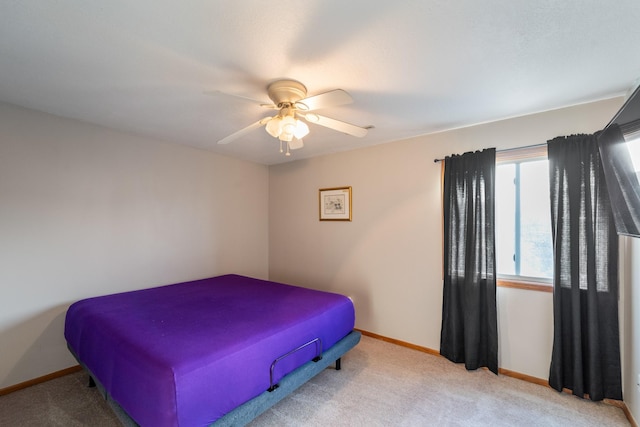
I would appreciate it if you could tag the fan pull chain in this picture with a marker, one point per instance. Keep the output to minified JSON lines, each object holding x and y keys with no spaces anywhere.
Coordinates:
{"x":287,"y":153}
{"x":281,"y":150}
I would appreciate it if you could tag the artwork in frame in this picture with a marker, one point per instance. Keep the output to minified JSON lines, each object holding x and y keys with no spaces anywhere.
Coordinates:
{"x":335,"y":204}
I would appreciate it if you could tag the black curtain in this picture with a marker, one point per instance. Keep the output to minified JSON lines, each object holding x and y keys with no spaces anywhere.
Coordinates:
{"x":469,"y":319}
{"x":586,"y":347}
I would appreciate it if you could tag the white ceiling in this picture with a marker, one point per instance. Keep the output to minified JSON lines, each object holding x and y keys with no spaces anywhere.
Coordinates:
{"x":412,"y":67}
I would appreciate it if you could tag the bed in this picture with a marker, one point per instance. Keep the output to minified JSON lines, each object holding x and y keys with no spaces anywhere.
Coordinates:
{"x":215,"y":351}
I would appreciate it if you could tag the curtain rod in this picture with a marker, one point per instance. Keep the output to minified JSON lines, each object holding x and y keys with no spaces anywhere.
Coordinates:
{"x":505,"y":149}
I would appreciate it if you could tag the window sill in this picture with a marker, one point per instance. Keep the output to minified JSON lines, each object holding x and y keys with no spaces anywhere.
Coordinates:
{"x":529,"y":286}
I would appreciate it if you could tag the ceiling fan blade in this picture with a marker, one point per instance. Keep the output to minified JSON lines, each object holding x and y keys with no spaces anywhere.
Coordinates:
{"x":255,"y":101}
{"x":244,"y":131}
{"x":332,"y":98}
{"x":334,"y":124}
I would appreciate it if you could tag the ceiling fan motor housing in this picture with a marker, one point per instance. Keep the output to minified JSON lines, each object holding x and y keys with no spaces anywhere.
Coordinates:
{"x":286,"y":92}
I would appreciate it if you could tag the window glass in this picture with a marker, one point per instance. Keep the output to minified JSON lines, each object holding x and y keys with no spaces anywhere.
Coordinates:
{"x":535,"y":214}
{"x":505,"y":218}
{"x":523,"y":220}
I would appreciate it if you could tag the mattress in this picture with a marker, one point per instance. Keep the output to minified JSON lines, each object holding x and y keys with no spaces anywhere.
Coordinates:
{"x":187,"y":354}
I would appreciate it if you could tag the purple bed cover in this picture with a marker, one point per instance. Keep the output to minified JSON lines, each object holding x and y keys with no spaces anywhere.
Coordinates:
{"x":188,"y":353}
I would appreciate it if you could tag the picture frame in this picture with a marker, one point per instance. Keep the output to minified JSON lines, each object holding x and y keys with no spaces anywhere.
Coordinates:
{"x":335,"y":204}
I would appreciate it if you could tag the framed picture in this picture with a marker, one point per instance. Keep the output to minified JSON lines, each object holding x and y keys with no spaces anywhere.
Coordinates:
{"x":335,"y":204}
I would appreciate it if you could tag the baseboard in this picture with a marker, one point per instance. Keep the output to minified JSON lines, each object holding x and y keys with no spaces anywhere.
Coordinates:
{"x":398,"y":342}
{"x":523,"y":377}
{"x":506,"y":372}
{"x":39,"y":380}
{"x":626,"y":411}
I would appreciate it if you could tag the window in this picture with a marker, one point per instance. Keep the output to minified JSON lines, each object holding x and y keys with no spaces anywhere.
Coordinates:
{"x":524,"y":251}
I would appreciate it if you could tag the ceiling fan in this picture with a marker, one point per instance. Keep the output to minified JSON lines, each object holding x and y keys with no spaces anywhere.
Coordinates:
{"x":294,"y":108}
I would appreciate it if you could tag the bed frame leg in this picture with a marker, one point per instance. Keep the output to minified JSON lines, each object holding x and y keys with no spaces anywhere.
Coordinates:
{"x":92,"y":383}
{"x":338,"y":365}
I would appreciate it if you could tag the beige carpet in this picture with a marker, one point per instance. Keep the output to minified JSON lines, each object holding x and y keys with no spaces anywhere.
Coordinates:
{"x":380,"y":384}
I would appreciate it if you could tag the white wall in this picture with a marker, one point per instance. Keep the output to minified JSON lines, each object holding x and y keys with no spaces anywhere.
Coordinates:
{"x":389,"y":258}
{"x":631,"y":327}
{"x":86,"y":211}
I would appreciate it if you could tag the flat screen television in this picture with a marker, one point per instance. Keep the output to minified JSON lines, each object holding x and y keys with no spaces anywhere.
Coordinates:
{"x":619,"y":145}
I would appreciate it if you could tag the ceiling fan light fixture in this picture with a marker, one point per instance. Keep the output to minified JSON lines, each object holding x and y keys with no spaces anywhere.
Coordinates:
{"x":301,"y":130}
{"x":296,"y":144}
{"x":288,"y":128}
{"x":274,"y":127}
